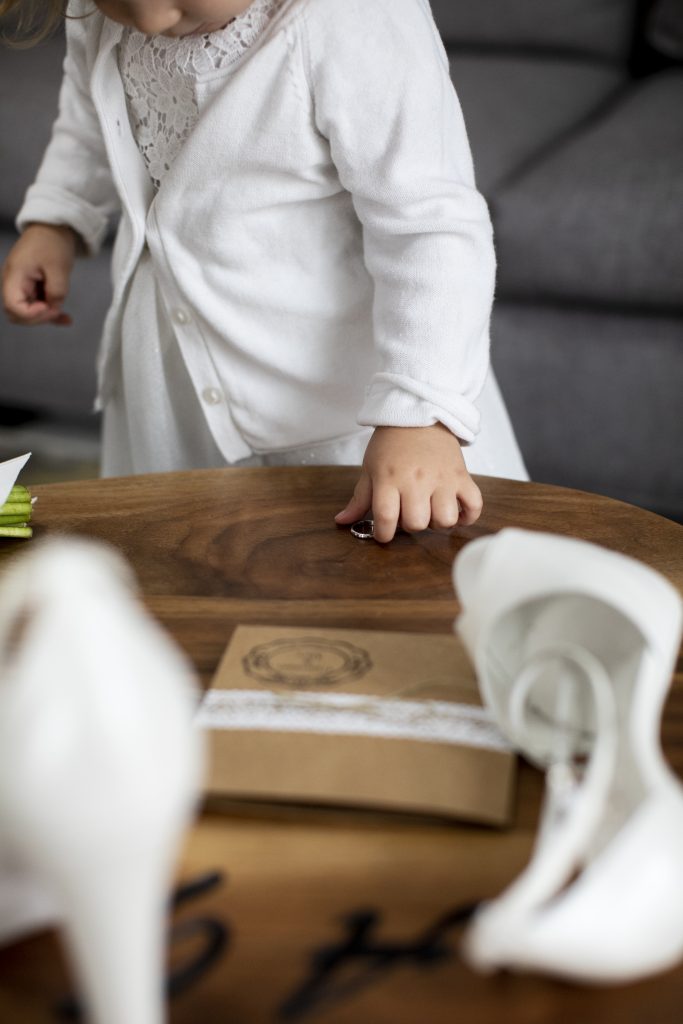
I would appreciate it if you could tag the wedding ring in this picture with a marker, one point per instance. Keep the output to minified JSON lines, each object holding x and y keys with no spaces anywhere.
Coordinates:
{"x":363,"y":529}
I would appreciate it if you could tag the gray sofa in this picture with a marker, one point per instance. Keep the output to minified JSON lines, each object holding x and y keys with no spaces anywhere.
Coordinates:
{"x":574,"y":113}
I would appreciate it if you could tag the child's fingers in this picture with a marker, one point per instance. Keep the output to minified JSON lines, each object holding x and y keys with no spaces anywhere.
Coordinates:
{"x":34,"y":292}
{"x":31,"y":314}
{"x":386,"y":511}
{"x":445,"y":509}
{"x":471,"y":503}
{"x":27,"y":312}
{"x":416,"y":511}
{"x":360,"y":502}
{"x":56,"y":282}
{"x":23,"y":301}
{"x":63,"y":320}
{"x":17,"y":293}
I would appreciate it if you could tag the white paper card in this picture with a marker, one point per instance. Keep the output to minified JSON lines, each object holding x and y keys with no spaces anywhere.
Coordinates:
{"x":9,"y":471}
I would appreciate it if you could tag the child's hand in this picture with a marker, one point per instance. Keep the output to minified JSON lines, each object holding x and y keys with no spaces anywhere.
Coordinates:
{"x":35,"y":277}
{"x":414,"y":477}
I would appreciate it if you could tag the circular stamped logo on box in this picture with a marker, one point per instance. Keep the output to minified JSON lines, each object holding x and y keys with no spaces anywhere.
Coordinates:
{"x":304,"y":662}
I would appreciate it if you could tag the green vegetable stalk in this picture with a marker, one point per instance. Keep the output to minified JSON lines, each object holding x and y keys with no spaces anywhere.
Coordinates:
{"x":15,"y":514}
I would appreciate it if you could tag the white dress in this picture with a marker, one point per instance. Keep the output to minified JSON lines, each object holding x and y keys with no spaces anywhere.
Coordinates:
{"x":154,"y":422}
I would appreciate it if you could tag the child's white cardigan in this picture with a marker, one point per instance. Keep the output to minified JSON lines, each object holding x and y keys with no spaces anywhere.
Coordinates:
{"x":319,"y":243}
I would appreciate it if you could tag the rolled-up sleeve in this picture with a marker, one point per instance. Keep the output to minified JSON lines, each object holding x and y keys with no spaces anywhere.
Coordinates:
{"x":383,"y":98}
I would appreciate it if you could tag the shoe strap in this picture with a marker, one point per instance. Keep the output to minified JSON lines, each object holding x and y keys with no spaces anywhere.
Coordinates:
{"x":573,"y":806}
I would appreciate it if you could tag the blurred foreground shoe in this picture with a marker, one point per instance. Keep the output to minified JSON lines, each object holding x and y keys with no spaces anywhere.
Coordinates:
{"x":574,"y":648}
{"x":99,"y":770}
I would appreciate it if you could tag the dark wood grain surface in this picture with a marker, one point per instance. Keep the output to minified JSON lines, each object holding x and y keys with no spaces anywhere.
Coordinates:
{"x":217,"y":548}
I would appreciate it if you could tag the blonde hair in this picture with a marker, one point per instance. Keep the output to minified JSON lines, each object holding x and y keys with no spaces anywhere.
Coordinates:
{"x":32,"y":20}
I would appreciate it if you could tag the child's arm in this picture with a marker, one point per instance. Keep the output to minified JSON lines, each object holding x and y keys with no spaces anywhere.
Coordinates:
{"x":414,"y":477}
{"x":383,"y":98}
{"x":36,"y":275}
{"x":74,"y":186}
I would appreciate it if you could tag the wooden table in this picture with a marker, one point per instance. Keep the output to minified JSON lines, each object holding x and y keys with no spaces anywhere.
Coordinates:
{"x":377,"y":899}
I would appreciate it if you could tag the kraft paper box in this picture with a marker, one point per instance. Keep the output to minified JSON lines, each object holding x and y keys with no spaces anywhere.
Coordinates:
{"x":389,"y":721}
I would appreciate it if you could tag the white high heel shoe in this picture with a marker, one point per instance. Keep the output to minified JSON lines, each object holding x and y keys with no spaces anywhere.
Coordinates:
{"x":99,"y":768}
{"x":574,"y":648}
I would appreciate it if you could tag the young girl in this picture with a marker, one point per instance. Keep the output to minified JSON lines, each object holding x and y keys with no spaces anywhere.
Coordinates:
{"x":303,"y":270}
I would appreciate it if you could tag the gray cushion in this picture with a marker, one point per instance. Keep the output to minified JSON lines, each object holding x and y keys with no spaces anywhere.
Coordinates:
{"x":595,"y":399}
{"x":600,"y":27}
{"x":601,"y":218}
{"x":665,"y":28}
{"x":29,"y":87}
{"x":515,"y":106}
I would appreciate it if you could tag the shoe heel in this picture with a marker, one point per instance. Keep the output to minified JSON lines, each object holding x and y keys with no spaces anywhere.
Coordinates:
{"x":574,"y":648}
{"x":100,"y":764}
